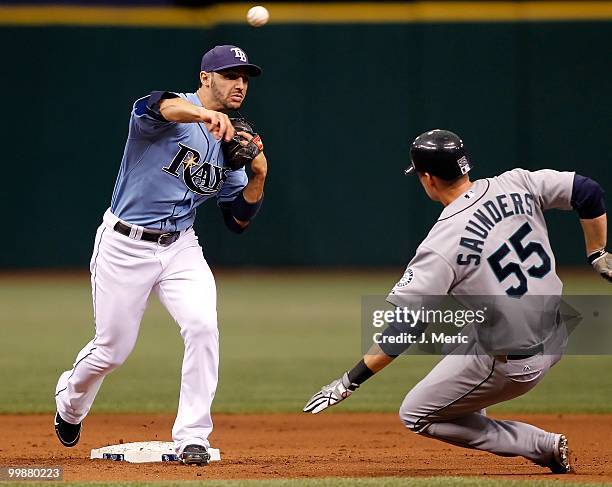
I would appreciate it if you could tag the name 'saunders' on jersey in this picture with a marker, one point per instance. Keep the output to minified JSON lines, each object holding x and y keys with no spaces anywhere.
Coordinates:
{"x":486,"y":217}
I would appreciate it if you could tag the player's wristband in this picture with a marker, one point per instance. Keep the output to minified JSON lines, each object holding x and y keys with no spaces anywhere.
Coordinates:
{"x":596,"y":255}
{"x":359,"y":374}
{"x":230,"y":221}
{"x":243,"y":210}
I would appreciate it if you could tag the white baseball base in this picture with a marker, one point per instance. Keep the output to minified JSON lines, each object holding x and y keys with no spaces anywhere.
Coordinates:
{"x":144,"y":452}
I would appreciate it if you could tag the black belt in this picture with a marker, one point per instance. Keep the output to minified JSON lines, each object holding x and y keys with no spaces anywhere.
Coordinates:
{"x":163,"y":239}
{"x":522,"y":354}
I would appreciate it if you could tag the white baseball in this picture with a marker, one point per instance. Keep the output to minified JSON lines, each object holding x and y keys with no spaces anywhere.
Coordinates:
{"x":258,"y":16}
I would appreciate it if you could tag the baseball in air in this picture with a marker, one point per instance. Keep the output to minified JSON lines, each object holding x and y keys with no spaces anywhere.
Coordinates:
{"x":258,"y":16}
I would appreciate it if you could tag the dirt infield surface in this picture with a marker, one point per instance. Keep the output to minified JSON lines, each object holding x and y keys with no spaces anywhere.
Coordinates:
{"x":292,"y":445}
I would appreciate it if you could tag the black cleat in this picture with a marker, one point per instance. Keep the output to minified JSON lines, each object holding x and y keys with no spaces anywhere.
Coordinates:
{"x":69,"y":434}
{"x":194,"y":455}
{"x":561,"y":461}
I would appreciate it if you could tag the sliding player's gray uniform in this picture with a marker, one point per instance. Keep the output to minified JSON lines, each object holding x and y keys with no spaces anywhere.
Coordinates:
{"x":492,"y":240}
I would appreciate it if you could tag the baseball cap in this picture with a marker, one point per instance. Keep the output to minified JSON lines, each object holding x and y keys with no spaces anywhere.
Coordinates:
{"x":228,"y":56}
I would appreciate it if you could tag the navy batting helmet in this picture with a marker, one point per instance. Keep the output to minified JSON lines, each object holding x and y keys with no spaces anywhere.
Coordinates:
{"x":440,"y":153}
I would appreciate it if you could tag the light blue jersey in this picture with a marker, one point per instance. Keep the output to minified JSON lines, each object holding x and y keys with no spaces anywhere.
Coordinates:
{"x":169,"y":169}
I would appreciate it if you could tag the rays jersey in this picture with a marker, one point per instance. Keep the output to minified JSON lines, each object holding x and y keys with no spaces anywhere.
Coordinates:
{"x":493,"y":241}
{"x":169,"y":169}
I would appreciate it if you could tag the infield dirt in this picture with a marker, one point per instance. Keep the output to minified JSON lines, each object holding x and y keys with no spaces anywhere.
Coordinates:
{"x":298,"y":445}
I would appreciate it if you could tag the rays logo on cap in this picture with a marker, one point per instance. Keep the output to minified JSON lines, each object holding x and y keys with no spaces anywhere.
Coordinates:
{"x":240,"y":54}
{"x":464,"y":165}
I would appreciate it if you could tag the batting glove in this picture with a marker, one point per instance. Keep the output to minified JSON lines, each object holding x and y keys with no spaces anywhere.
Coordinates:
{"x":330,"y":395}
{"x":602,"y":263}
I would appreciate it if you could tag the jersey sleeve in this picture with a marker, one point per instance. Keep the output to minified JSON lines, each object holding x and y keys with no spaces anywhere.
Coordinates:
{"x":235,"y":182}
{"x":146,"y":116}
{"x":553,"y":189}
{"x":427,"y":274}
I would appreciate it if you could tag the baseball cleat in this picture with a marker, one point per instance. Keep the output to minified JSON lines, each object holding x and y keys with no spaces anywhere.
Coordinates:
{"x":69,"y":434}
{"x":561,"y":460}
{"x":194,"y":455}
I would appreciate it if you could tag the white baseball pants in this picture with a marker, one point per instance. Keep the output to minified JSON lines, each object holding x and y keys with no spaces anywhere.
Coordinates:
{"x":124,"y":271}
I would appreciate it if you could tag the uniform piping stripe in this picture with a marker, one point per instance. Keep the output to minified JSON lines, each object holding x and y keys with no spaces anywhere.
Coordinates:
{"x":469,"y":206}
{"x":95,"y":286}
{"x":309,"y":13}
{"x":94,"y":306}
{"x":205,"y":137}
{"x":174,"y":209}
{"x":74,"y":368}
{"x":418,"y":429}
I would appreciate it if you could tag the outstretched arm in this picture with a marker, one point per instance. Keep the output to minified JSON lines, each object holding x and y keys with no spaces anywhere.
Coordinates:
{"x":399,"y":334}
{"x":595,"y":233}
{"x":588,"y":201}
{"x":177,"y":109}
{"x":341,"y":388}
{"x":376,"y":359}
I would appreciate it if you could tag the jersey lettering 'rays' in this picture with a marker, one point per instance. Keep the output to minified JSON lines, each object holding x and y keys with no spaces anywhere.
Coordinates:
{"x":202,"y":179}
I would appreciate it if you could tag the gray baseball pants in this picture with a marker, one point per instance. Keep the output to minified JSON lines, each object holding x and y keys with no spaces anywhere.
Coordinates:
{"x":448,"y":404}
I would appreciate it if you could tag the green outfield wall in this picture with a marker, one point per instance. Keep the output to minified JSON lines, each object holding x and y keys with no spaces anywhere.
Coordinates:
{"x":337,"y":107}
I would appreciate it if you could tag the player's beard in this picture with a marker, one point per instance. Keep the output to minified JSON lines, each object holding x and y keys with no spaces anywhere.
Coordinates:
{"x":223,"y":100}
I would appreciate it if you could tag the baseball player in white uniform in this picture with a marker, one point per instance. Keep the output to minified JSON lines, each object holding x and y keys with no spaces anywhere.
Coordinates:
{"x":175,"y":159}
{"x":490,"y":240}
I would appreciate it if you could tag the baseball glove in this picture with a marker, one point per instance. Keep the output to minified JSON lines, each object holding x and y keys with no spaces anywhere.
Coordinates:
{"x":240,"y":151}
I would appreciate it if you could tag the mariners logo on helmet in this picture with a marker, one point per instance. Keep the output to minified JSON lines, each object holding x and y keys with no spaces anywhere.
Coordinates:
{"x":464,"y":165}
{"x":202,"y":179}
